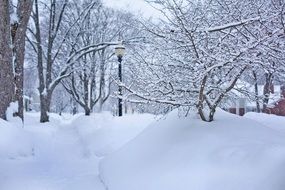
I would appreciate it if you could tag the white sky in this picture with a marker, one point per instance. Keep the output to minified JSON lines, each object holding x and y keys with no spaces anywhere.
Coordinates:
{"x":135,"y":6}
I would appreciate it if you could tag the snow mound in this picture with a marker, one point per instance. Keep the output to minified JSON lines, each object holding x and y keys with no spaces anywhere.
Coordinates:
{"x":232,"y":152}
{"x":103,"y":133}
{"x":64,"y":150}
{"x":14,"y":141}
{"x":272,"y":121}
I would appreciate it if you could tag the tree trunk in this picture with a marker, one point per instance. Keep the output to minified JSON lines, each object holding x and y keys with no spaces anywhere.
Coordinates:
{"x":256,"y":92}
{"x":87,"y":110}
{"x":74,"y":110}
{"x":267,"y":89}
{"x":44,"y":104}
{"x":6,"y":60}
{"x":45,"y":108}
{"x":101,"y":104}
{"x":74,"y":106}
{"x":201,"y":99}
{"x":213,"y":106}
{"x":211,"y":114}
{"x":102,"y":81}
{"x":18,"y":33}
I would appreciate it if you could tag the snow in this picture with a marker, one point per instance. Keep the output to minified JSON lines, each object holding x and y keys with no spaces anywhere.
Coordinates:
{"x":14,"y":17}
{"x":62,"y":154}
{"x":272,"y":121}
{"x":14,"y":142}
{"x":230,"y":25}
{"x":44,"y":93}
{"x":13,"y":108}
{"x":242,"y":86}
{"x":185,"y":153}
{"x":141,"y":151}
{"x":111,"y":134}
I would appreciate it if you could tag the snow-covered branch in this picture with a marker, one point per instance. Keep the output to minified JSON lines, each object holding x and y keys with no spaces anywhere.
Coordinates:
{"x":231,"y":25}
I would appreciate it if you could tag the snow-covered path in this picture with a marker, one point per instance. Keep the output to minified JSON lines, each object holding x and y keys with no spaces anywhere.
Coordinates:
{"x":63,"y":154}
{"x":67,"y":153}
{"x":60,"y":161}
{"x":44,"y":175}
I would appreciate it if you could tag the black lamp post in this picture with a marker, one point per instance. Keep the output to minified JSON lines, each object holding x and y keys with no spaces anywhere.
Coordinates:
{"x":120,"y":51}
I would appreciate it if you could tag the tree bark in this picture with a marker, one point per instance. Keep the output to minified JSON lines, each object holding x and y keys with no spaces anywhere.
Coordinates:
{"x":267,"y":89}
{"x":201,"y":99}
{"x":74,"y":106}
{"x":256,"y":92}
{"x":213,"y":105}
{"x":87,"y":110}
{"x":44,"y":102}
{"x":211,"y":114}
{"x":45,"y":108}
{"x":6,"y":60}
{"x":18,"y":33}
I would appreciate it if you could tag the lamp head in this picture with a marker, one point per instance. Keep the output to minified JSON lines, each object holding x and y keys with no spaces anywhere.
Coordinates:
{"x":120,"y":50}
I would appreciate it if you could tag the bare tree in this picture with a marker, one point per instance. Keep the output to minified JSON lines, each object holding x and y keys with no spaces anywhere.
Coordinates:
{"x":194,"y":56}
{"x":18,"y":33}
{"x":6,"y":70}
{"x":56,"y":56}
{"x":13,"y":30}
{"x":89,"y":83}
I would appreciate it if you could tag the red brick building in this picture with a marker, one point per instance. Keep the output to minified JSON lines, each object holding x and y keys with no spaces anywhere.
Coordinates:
{"x":276,"y":104}
{"x":278,"y":107}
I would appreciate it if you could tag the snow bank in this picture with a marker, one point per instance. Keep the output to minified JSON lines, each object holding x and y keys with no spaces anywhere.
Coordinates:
{"x":103,"y":133}
{"x":231,"y":153}
{"x":14,"y":141}
{"x":273,"y":121}
{"x":58,"y":161}
{"x":98,"y":134}
{"x":64,"y":151}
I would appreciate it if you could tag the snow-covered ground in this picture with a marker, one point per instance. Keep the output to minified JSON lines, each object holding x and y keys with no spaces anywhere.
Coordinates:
{"x":143,"y":152}
{"x":231,"y":153}
{"x":272,"y":121}
{"x":63,"y":154}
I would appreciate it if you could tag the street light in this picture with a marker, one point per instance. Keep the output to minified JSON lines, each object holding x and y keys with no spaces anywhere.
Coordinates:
{"x":120,"y":51}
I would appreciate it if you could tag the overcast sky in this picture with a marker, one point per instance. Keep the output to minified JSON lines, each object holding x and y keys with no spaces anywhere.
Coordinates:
{"x":134,"y":6}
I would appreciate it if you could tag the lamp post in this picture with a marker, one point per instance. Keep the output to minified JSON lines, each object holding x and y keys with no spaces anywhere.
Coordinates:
{"x":120,"y":51}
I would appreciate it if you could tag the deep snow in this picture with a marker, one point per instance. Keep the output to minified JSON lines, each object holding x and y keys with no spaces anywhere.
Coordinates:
{"x":63,"y":154}
{"x":272,"y":121}
{"x":143,"y":152}
{"x":231,"y":153}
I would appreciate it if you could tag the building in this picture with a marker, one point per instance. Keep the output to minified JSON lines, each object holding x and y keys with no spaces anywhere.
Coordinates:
{"x":242,"y":103}
{"x":278,"y":107}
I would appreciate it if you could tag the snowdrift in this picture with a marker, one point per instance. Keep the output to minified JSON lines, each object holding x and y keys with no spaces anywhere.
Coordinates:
{"x":14,"y":141}
{"x":62,"y":154}
{"x":272,"y":121}
{"x":231,"y":153}
{"x":103,"y":133}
